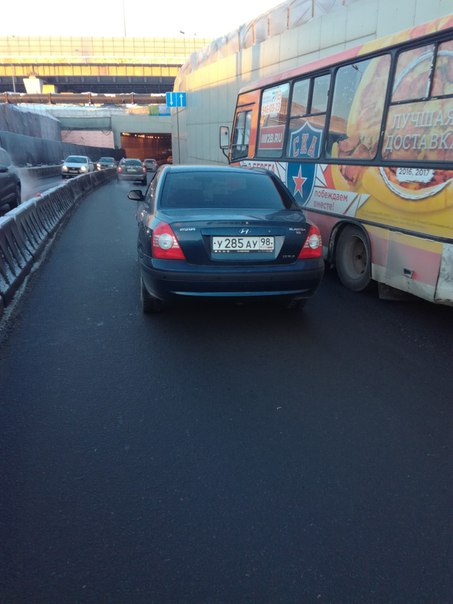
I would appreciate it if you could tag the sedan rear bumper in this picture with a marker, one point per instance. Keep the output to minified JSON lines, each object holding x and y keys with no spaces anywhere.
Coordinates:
{"x":299,"y":280}
{"x":138,"y":176}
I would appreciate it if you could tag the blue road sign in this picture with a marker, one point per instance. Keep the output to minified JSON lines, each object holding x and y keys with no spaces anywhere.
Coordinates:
{"x":176,"y":99}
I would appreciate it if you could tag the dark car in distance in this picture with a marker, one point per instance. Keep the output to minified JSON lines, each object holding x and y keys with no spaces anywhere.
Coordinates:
{"x":10,"y":187}
{"x":105,"y":162}
{"x":150,"y":165}
{"x":224,"y":232}
{"x":131,"y":169}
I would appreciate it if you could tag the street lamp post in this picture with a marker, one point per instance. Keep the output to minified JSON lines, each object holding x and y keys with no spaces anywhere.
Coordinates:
{"x":124,"y":17}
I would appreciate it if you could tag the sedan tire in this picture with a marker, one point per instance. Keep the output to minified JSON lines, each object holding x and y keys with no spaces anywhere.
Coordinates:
{"x":150,"y":304}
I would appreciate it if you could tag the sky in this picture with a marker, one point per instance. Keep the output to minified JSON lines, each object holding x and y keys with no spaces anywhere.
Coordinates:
{"x":135,"y":18}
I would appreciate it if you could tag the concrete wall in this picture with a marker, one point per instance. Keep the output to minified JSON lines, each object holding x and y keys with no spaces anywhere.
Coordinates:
{"x":28,"y":121}
{"x":92,"y":138}
{"x":212,"y":88}
{"x":112,"y":120}
{"x":33,"y":151}
{"x":46,"y":134}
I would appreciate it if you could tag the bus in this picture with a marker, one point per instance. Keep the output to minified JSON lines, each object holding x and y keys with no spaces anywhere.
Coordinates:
{"x":364,"y":142}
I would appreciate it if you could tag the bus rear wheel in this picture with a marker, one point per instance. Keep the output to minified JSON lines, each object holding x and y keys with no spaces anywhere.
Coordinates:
{"x":352,"y":259}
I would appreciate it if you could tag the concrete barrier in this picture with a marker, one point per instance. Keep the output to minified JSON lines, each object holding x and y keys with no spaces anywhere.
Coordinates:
{"x":41,"y":171}
{"x":26,"y":230}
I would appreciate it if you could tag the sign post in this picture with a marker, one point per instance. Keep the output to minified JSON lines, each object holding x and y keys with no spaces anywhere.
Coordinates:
{"x":176,"y":100}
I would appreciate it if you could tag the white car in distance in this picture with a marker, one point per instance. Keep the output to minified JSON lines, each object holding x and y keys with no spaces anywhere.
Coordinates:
{"x":74,"y":165}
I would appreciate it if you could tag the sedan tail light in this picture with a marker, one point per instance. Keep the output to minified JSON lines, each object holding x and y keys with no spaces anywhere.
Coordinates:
{"x":120,"y":169}
{"x":312,"y":247}
{"x":165,"y":245}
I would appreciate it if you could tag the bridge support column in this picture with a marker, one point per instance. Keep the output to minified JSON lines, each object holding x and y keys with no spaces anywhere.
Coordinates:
{"x":33,"y":85}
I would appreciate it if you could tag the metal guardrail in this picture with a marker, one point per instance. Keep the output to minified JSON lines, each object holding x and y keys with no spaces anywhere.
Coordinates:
{"x":26,"y":230}
{"x":89,"y":98}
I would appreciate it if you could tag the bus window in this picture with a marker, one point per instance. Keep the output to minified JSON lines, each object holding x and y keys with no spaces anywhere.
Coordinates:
{"x":413,"y":74}
{"x":419,"y":126}
{"x":443,"y":74}
{"x":274,"y":107}
{"x":357,"y":109}
{"x":299,"y":102}
{"x":320,"y":94}
{"x":308,"y":117}
{"x":241,"y":135}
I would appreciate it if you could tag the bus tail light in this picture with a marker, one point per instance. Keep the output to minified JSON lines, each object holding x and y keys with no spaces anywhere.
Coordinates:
{"x":164,"y":243}
{"x":312,"y":247}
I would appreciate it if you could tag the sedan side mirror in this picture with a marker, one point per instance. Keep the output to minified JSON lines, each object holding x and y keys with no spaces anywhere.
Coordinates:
{"x":136,"y":195}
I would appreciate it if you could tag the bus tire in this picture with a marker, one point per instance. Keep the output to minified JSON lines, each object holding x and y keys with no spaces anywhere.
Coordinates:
{"x":352,"y":259}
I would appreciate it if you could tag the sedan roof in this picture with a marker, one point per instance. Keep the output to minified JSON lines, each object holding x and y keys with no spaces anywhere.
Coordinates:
{"x":207,"y":168}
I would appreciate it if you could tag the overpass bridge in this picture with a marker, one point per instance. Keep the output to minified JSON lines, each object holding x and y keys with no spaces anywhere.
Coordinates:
{"x":96,"y":72}
{"x":98,"y":65}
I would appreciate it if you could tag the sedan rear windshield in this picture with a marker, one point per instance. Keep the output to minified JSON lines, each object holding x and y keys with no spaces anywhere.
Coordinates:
{"x":76,"y":159}
{"x":132,"y":162}
{"x":220,"y":190}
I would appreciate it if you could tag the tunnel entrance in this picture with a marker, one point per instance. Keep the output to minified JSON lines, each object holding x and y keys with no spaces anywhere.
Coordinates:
{"x":142,"y":146}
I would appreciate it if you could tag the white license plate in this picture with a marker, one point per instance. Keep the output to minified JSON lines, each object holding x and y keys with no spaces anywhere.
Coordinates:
{"x":242,"y":244}
{"x":131,"y":170}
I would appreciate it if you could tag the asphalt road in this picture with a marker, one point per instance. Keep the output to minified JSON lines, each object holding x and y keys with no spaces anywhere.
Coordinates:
{"x":32,"y":185}
{"x":218,"y":454}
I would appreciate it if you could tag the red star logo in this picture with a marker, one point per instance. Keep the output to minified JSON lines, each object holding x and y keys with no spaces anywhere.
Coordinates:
{"x":299,"y":182}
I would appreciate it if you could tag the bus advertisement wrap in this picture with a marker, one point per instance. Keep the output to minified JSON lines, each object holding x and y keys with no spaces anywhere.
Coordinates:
{"x":368,"y":143}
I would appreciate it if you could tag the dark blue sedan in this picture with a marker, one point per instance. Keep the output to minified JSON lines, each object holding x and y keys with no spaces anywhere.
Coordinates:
{"x":222,"y":232}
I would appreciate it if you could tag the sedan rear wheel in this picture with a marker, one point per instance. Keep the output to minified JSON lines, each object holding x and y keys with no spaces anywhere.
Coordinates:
{"x":150,"y":304}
